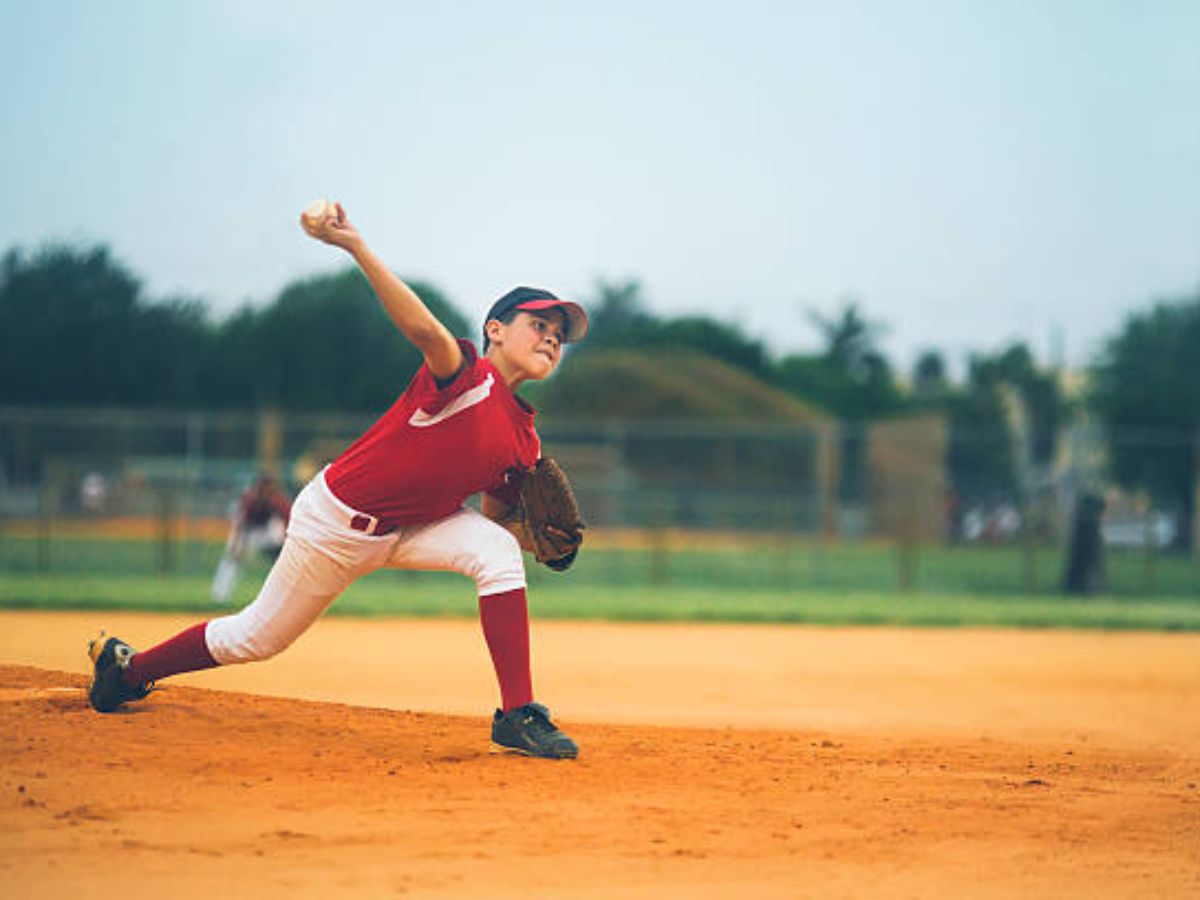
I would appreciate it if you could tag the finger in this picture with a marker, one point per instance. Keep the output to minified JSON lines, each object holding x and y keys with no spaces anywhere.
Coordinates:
{"x":341,"y":213}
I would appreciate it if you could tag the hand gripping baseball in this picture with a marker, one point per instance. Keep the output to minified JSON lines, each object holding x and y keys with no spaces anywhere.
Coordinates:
{"x":327,"y":222}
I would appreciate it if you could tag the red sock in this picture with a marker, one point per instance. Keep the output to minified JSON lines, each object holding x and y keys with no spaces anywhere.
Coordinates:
{"x":505,"y":619}
{"x":186,"y":652}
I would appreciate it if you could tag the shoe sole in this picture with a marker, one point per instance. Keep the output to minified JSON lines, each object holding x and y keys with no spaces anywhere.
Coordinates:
{"x":501,"y":750}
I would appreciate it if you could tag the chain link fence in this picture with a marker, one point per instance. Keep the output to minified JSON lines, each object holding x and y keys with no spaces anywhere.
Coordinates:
{"x":824,"y":507}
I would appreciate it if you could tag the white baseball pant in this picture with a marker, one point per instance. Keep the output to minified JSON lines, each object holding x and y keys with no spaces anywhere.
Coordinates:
{"x":323,"y":555}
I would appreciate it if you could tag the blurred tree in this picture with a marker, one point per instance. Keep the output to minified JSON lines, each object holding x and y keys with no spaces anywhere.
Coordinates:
{"x":987,"y":462}
{"x":1042,"y":403}
{"x":929,"y":376}
{"x":619,"y":319}
{"x":851,"y":378}
{"x":324,"y":344}
{"x":982,"y":455}
{"x":75,"y":330}
{"x":850,"y":342}
{"x":170,"y":346}
{"x":615,"y":309}
{"x":725,"y":342}
{"x":1146,"y":391}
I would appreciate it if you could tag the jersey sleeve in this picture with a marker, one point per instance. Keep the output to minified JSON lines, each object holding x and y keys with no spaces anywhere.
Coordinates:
{"x":431,"y":396}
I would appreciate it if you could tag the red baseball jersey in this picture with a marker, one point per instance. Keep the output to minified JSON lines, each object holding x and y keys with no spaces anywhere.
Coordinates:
{"x":437,"y":446}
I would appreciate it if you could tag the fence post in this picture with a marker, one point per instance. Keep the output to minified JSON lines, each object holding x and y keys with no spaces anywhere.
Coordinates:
{"x":43,"y":528}
{"x":270,"y":441}
{"x":166,"y":545}
{"x":827,"y":479}
{"x":659,"y":540}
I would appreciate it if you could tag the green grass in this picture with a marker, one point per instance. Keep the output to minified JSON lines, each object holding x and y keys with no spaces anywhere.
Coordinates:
{"x":835,"y":584}
{"x":401,"y":594}
{"x":805,"y":566}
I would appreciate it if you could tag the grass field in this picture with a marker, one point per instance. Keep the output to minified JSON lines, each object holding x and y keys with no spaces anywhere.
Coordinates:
{"x":830,"y":584}
{"x":738,"y":562}
{"x":394,"y":594}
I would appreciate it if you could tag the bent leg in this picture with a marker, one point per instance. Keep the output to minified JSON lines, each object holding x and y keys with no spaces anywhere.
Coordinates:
{"x":470,"y":543}
{"x":320,"y":557}
{"x":466,"y":542}
{"x":302,"y":584}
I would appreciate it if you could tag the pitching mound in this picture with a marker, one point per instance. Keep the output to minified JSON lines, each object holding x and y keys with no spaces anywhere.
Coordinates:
{"x":201,"y":793}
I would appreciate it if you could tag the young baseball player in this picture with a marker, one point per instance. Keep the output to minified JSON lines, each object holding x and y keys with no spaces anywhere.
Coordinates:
{"x":396,"y":497}
{"x":259,"y":525}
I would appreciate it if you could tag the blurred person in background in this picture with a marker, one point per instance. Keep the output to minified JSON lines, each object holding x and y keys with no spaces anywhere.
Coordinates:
{"x":259,"y":526}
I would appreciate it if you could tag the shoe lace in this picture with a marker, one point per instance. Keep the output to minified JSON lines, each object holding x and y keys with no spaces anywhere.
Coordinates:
{"x":537,"y":720}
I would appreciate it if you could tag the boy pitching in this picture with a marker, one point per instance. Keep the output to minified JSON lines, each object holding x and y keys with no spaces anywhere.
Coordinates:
{"x":396,"y":498}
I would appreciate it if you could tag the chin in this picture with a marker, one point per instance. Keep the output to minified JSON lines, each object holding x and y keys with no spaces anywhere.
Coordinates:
{"x":540,"y":370}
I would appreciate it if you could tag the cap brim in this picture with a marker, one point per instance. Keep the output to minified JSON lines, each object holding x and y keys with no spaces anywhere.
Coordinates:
{"x":577,"y":320}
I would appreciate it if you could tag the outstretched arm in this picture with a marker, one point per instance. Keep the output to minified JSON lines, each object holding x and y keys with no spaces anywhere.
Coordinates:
{"x":441,"y":351}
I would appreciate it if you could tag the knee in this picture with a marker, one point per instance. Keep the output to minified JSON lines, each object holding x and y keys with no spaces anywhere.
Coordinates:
{"x":241,"y":639}
{"x":494,"y":562}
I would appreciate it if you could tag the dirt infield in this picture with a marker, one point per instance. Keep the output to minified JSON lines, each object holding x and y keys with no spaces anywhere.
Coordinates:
{"x":716,"y":762}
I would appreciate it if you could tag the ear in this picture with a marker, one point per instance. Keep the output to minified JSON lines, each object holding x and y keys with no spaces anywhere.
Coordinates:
{"x":494,"y":329}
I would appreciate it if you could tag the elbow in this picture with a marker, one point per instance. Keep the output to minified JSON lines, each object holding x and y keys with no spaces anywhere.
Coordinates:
{"x":425,"y":335}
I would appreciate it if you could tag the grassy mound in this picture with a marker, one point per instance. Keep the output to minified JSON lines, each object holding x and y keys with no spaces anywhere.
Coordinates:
{"x":667,"y":384}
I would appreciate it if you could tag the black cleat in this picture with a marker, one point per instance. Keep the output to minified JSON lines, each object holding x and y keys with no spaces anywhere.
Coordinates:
{"x":528,"y":730}
{"x":110,"y":657}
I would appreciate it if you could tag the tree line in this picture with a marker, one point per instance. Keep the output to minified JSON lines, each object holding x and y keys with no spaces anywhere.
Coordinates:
{"x":77,"y":329}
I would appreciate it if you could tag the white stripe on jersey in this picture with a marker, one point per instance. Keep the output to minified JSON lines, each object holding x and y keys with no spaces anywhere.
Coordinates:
{"x":465,"y":400}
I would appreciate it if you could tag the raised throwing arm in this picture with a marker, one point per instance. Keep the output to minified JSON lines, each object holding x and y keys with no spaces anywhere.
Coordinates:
{"x":409,"y":313}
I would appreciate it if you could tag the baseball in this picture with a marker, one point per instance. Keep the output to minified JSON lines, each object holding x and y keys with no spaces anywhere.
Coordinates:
{"x":314,"y":214}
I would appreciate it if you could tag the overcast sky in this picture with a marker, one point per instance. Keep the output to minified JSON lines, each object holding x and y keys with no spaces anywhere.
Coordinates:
{"x":969,"y":172}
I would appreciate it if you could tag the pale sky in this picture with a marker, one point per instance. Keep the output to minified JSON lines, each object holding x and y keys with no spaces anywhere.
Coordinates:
{"x":970,"y":171}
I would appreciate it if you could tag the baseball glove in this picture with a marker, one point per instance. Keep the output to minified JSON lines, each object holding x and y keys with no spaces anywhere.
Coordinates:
{"x":546,"y":521}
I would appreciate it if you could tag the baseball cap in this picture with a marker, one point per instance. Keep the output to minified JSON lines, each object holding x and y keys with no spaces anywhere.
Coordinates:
{"x":527,"y":299}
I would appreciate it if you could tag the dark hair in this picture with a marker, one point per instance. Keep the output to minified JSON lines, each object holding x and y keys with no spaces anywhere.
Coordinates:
{"x":504,"y":318}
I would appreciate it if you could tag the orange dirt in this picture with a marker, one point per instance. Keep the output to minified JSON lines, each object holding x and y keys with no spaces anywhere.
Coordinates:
{"x":786,"y":762}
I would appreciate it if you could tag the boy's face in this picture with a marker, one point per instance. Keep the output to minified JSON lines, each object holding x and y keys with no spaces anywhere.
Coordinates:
{"x":532,"y":341}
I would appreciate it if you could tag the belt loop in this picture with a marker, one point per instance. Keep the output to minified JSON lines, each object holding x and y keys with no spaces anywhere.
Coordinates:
{"x":364,"y":523}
